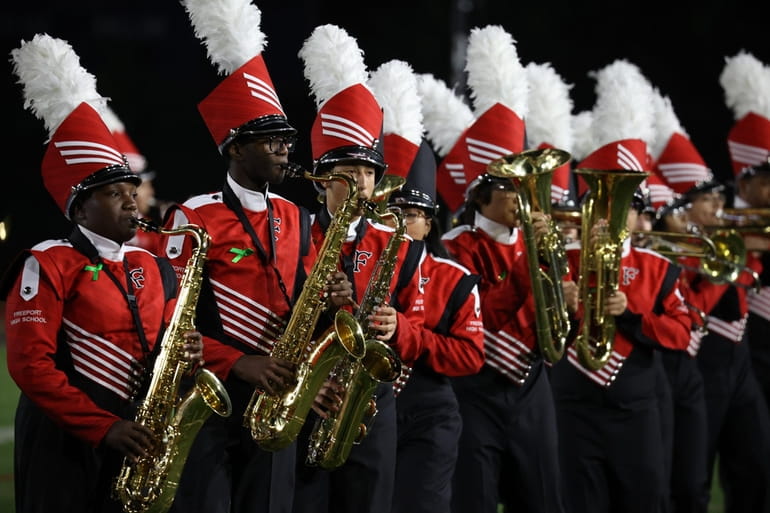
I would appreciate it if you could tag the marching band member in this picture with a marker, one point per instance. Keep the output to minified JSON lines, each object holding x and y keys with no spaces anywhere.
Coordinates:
{"x":346,"y":138}
{"x":85,"y":313}
{"x":600,"y":407}
{"x":677,"y":160}
{"x":746,"y":83}
{"x":509,"y":435}
{"x":260,"y":255}
{"x":428,"y":417}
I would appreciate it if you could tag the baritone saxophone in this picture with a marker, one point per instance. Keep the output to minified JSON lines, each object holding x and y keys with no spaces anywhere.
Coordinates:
{"x":150,"y":484}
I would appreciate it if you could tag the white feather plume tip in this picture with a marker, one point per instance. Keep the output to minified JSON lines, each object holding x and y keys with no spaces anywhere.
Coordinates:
{"x":332,"y":62}
{"x":746,"y":83}
{"x":624,"y":105}
{"x":395,"y":86}
{"x":495,"y":74}
{"x":230,"y":29}
{"x":583,"y":143}
{"x":550,"y":108}
{"x":445,"y":115}
{"x":666,"y":124}
{"x":54,"y":81}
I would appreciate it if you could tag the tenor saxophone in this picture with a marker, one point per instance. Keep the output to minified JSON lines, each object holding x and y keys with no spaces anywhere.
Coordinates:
{"x":332,"y":438}
{"x":275,"y":420}
{"x":150,"y":483}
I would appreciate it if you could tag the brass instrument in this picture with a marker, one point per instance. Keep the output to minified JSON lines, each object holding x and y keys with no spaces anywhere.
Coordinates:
{"x":275,"y":420}
{"x":149,"y":484}
{"x":758,"y":217}
{"x":609,"y":197}
{"x":332,"y":438}
{"x":531,"y":173}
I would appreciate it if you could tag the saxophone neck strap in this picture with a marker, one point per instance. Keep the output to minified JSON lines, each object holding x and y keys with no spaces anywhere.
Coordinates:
{"x":232,"y":202}
{"x":81,"y":243}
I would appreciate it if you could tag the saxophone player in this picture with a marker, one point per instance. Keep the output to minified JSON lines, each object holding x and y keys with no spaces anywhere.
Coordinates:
{"x":259,"y":257}
{"x":86,"y":312}
{"x":398,"y":319}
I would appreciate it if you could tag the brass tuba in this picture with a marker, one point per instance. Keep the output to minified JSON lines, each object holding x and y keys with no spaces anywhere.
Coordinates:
{"x":275,"y":420}
{"x":531,"y":173}
{"x":609,"y":197}
{"x":149,"y":484}
{"x":333,"y":438}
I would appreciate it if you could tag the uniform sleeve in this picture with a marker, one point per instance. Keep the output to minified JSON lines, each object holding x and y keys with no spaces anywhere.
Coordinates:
{"x":32,"y":328}
{"x":461,"y":351}
{"x":408,"y":338}
{"x":668,"y":324}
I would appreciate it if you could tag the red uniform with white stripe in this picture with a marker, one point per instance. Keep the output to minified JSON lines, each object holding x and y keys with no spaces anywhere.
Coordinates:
{"x":507,"y":304}
{"x":641,"y":276}
{"x":71,"y":336}
{"x":252,"y":309}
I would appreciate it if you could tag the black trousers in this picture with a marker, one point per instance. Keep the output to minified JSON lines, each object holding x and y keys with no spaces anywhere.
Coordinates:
{"x":758,"y":329}
{"x":429,"y":426}
{"x":508,"y":430}
{"x":226,"y":472}
{"x":365,"y":481}
{"x":738,"y":424}
{"x":689,"y":489}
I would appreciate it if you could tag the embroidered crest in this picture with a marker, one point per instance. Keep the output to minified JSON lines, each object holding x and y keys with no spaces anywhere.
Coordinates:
{"x":361,"y":258}
{"x":137,"y":277}
{"x":629,"y":274}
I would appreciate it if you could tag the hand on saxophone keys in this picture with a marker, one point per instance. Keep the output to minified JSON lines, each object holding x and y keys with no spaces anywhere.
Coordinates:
{"x":616,"y":303}
{"x":384,"y":319}
{"x":131,"y":439}
{"x":338,"y":290}
{"x":193,"y":349}
{"x":267,"y":373}
{"x":329,"y":398}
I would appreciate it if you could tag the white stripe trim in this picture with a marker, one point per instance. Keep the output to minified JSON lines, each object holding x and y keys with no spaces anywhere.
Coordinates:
{"x":627,"y":157}
{"x":348,"y":125}
{"x":90,"y":144}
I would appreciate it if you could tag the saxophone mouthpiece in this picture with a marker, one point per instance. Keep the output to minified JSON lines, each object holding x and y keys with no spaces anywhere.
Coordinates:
{"x":145,"y":224}
{"x":293,"y":170}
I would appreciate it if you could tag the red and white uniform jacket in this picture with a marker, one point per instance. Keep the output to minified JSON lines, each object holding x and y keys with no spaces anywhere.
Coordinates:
{"x":72,"y":340}
{"x":758,"y":302}
{"x":248,"y":304}
{"x":453,"y":338}
{"x":365,"y":242}
{"x":725,"y":304}
{"x":499,"y":256}
{"x":655,"y":316}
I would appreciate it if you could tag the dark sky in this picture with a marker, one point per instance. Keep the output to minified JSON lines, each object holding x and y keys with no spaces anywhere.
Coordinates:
{"x":148,"y":61}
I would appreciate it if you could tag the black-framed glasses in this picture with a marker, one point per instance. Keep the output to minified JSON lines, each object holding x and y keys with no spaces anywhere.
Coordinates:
{"x":276,"y":142}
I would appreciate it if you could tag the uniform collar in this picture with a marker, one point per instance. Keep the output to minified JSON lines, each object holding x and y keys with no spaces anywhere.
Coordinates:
{"x":108,"y":249}
{"x":250,"y":200}
{"x":739,"y":202}
{"x":499,"y":232}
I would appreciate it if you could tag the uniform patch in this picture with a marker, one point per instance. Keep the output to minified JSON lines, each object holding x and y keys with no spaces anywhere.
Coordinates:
{"x":361,"y":259}
{"x":30,"y":279}
{"x":629,"y":274}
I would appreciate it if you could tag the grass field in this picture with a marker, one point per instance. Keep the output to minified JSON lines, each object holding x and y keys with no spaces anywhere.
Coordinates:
{"x":9,"y":394}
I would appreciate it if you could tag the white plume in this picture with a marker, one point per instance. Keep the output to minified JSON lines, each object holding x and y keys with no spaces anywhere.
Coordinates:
{"x":583,"y":142}
{"x":54,"y":81}
{"x":550,"y":108}
{"x":666,"y":124}
{"x":495,"y":74}
{"x":746,"y":83}
{"x":395,"y":87}
{"x":112,"y":121}
{"x":445,"y":114}
{"x":624,"y":108}
{"x":333,"y":62}
{"x":230,"y":29}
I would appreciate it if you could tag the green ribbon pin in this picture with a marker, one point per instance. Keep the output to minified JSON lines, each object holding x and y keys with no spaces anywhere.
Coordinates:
{"x":240,"y":253}
{"x":502,"y":275}
{"x":94,"y":269}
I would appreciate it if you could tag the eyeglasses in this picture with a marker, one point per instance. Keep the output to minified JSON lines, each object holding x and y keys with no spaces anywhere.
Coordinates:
{"x":276,"y":142}
{"x":411,"y":217}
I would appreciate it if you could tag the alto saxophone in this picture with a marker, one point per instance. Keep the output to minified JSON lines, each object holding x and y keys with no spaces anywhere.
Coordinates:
{"x":332,"y":438}
{"x":275,"y":420}
{"x":150,"y":483}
